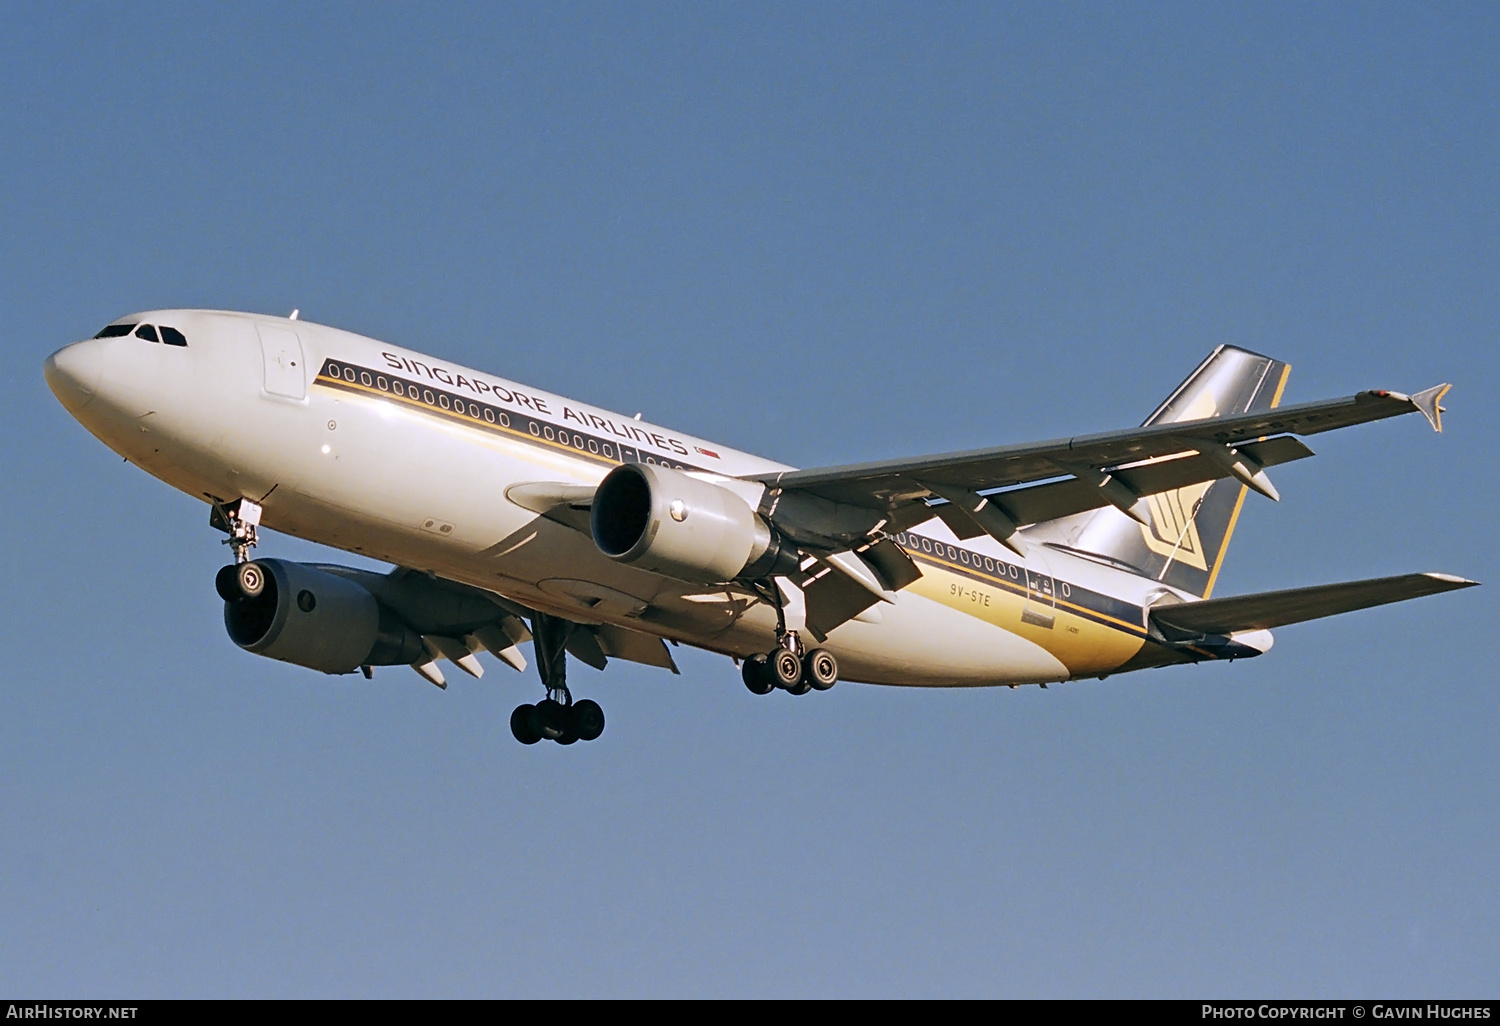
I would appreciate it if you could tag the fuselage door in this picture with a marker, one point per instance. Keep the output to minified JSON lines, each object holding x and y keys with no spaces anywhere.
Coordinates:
{"x":1041,"y":598}
{"x":286,"y":373}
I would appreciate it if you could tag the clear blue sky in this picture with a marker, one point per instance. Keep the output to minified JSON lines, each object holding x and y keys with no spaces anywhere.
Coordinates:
{"x":825,"y":234}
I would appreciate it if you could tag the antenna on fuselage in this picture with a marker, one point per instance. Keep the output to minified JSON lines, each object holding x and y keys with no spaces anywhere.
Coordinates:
{"x":293,"y":315}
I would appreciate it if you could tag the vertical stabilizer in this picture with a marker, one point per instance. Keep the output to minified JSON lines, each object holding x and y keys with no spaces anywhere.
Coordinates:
{"x":1187,"y":532}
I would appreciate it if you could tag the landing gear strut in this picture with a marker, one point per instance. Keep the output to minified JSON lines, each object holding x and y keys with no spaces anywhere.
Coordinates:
{"x":240,"y":520}
{"x":789,"y":666}
{"x":556,"y":717}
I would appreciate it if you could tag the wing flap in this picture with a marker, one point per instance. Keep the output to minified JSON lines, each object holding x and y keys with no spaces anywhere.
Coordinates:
{"x":1268,"y":609}
{"x":833,"y":598}
{"x":634,"y":646}
{"x":895,"y":567}
{"x":1035,"y":504}
{"x":583,"y":645}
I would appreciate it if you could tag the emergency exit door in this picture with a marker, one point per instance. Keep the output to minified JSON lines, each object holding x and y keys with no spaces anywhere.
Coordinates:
{"x":281,"y":350}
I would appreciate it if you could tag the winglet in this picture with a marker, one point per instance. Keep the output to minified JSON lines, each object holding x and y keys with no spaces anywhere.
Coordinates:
{"x":1428,"y":401}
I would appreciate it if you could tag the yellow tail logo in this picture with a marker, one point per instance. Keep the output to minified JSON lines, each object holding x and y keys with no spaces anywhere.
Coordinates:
{"x":1173,"y":530}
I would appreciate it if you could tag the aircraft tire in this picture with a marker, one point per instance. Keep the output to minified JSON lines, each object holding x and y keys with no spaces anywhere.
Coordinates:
{"x":520,"y":725}
{"x":548,"y":719}
{"x":588,"y":720}
{"x":786,"y":671}
{"x":820,"y":669}
{"x":227,"y":583}
{"x":757,"y":676}
{"x":251,"y":578}
{"x":554,"y":721}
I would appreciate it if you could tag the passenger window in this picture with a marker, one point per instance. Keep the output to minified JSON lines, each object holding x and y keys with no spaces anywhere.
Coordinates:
{"x":115,"y":330}
{"x":146,"y":332}
{"x":173,"y":337}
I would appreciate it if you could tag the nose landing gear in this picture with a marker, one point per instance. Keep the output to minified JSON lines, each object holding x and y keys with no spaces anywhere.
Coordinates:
{"x":556,"y":717}
{"x":240,"y":520}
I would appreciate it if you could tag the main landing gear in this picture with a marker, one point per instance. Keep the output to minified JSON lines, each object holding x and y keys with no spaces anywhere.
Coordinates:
{"x":788,"y":666}
{"x":785,"y":668}
{"x":556,"y":717}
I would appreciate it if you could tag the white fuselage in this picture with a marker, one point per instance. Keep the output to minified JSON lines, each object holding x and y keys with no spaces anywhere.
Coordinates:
{"x":401,"y":457}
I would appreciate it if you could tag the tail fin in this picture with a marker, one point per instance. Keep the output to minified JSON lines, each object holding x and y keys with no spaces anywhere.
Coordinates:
{"x":1188,"y":530}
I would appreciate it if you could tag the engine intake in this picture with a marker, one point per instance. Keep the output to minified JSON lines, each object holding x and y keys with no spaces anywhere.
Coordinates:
{"x":310,"y":617}
{"x":672,"y":523}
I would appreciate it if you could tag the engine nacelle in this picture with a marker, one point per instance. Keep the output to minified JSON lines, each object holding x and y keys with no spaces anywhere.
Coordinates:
{"x":671,"y":523}
{"x":307,"y":616}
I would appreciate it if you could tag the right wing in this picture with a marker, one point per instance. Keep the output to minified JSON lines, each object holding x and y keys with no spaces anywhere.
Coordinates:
{"x":1082,"y":473}
{"x":843,"y":516}
{"x":889,"y":482}
{"x":840,"y":518}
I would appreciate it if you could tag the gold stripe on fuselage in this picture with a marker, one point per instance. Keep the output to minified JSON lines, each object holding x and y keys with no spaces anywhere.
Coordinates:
{"x":1085,"y":640}
{"x":539,"y":431}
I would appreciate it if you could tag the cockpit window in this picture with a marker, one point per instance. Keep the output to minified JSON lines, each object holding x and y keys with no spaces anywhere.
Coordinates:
{"x":115,"y":330}
{"x":173,"y":337}
{"x":147,"y":332}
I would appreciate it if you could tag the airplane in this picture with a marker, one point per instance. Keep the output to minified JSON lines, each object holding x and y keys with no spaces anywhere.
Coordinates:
{"x":511,"y":515}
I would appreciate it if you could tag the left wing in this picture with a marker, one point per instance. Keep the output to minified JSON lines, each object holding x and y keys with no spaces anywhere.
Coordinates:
{"x":456,"y":621}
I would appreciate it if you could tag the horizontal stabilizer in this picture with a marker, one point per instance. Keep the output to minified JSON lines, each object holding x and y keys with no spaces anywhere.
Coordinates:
{"x":1277,"y":608}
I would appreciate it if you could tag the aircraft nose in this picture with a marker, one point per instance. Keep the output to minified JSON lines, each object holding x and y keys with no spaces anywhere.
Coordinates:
{"x":73,"y":373}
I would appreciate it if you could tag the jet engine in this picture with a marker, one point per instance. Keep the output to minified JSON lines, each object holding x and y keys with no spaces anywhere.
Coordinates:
{"x":311,"y":617}
{"x":672,"y":523}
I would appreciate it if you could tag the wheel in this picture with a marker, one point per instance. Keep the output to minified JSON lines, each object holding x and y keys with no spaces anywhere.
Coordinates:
{"x":756,"y":676}
{"x":227,"y":582}
{"x":821,"y":669}
{"x":588,"y":720}
{"x":786,"y":670}
{"x":251,"y":578}
{"x":556,"y":721}
{"x":549,"y":719}
{"x":520,"y":725}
